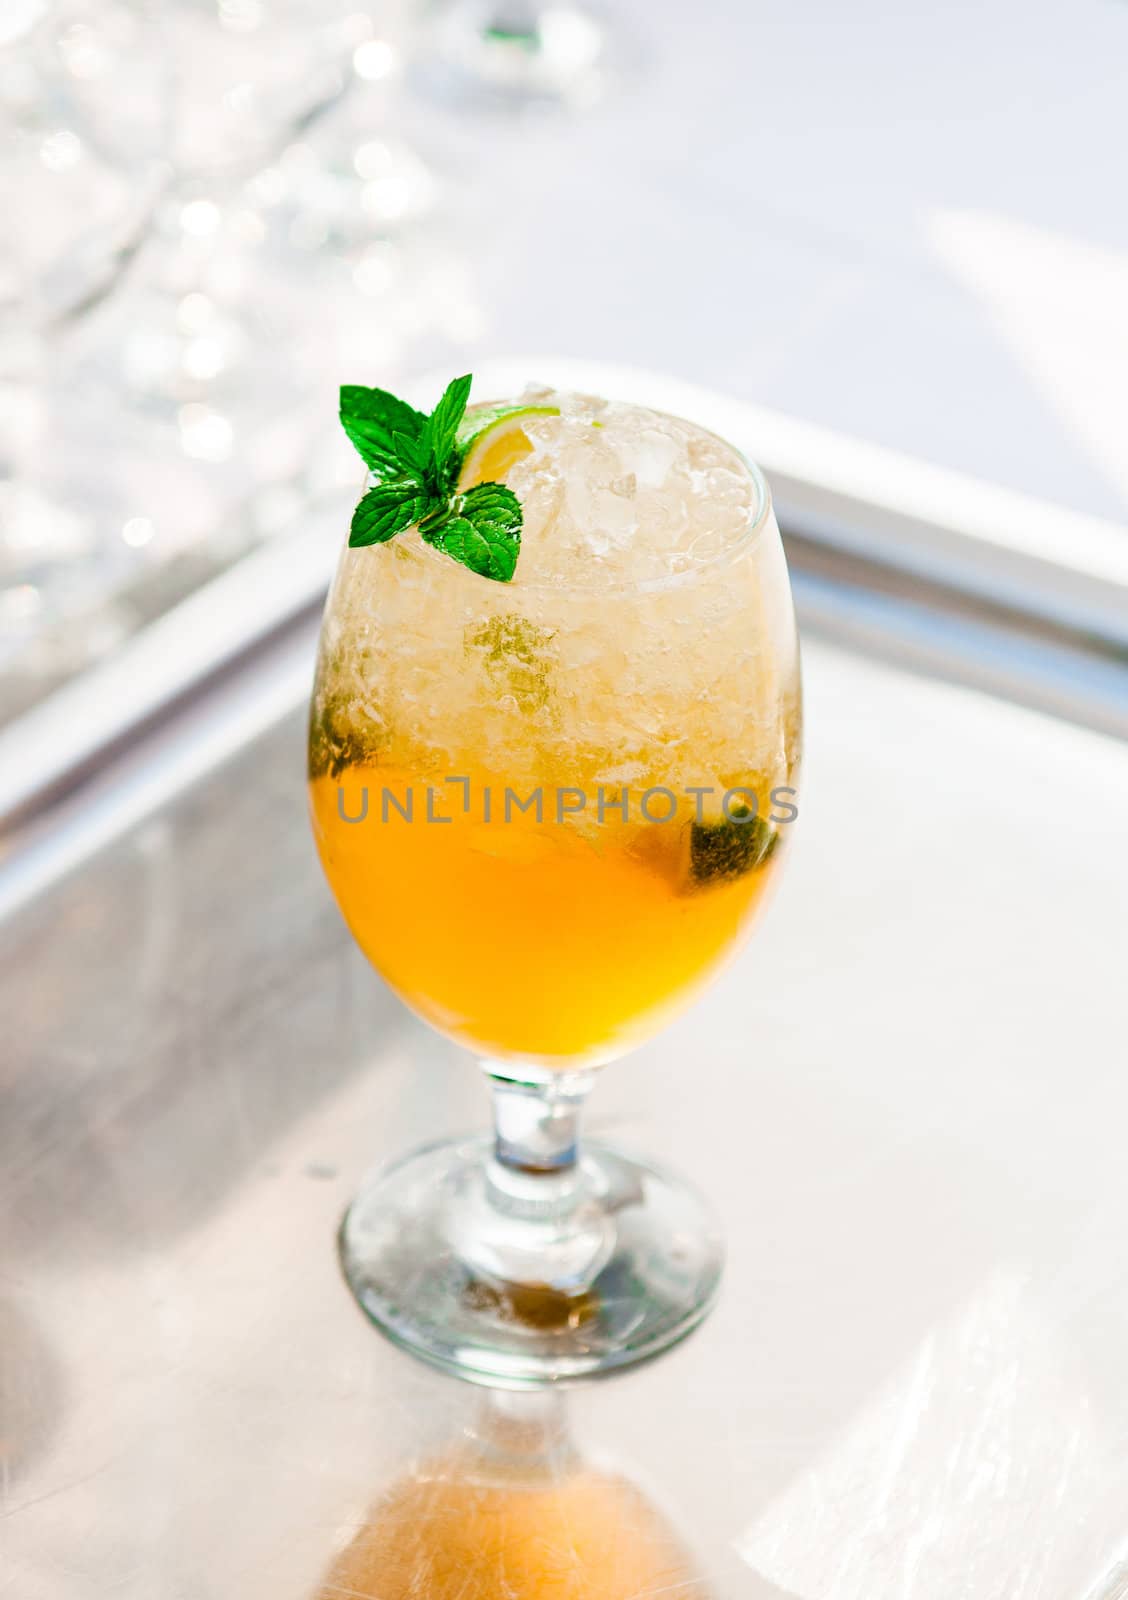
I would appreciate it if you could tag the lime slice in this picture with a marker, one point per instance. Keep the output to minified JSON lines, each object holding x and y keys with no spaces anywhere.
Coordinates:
{"x":494,"y":439}
{"x":719,"y":852}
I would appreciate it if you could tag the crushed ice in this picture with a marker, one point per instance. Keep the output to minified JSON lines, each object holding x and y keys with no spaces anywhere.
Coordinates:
{"x":633,"y":493}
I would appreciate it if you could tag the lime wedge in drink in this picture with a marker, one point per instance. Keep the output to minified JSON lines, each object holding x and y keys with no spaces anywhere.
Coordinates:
{"x":494,"y":440}
{"x":720,"y":852}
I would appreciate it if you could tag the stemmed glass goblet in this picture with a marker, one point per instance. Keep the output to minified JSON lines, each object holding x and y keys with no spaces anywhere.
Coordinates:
{"x":550,"y":810}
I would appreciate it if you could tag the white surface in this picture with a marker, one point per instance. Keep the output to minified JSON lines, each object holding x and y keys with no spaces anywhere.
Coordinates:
{"x":905,"y":222}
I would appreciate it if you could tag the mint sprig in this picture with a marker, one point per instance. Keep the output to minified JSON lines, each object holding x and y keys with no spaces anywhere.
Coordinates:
{"x":417,"y":461}
{"x":372,"y":418}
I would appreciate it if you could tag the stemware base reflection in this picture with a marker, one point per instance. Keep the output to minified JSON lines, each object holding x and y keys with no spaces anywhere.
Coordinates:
{"x":636,"y":1271}
{"x":512,"y":1505}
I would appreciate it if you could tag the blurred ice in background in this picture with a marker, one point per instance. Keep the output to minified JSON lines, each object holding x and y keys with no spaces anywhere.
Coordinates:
{"x":900,"y":224}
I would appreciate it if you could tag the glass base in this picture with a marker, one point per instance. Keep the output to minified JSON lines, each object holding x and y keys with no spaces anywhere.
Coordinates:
{"x":443,"y":1264}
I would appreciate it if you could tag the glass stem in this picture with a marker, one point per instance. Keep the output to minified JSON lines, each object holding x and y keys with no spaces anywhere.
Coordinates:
{"x":524,"y":1430}
{"x":537,"y":1124}
{"x":541,"y":1221}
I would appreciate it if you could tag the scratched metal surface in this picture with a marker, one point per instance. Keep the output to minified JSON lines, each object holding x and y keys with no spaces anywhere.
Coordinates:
{"x":907,"y":1103}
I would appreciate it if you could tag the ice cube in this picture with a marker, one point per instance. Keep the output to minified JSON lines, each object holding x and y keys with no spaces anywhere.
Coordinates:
{"x":653,"y":453}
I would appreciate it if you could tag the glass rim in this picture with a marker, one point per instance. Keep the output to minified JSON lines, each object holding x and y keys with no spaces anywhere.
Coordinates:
{"x":759,"y":513}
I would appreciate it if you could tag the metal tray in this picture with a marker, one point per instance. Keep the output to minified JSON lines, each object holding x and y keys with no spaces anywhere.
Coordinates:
{"x":906,"y":1102}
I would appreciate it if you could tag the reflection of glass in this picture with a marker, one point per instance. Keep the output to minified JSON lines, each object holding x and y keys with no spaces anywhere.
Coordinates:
{"x":548,"y":810}
{"x":513,"y":1509}
{"x":352,"y":179}
{"x":240,"y":288}
{"x":206,"y":316}
{"x":73,"y":215}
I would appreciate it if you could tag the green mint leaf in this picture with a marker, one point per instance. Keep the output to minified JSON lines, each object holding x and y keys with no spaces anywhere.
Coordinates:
{"x":440,"y":430}
{"x":411,"y":452}
{"x":434,"y":520}
{"x":492,"y":502}
{"x":485,"y":547}
{"x":416,"y":461}
{"x":373,"y":418}
{"x":387,"y":509}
